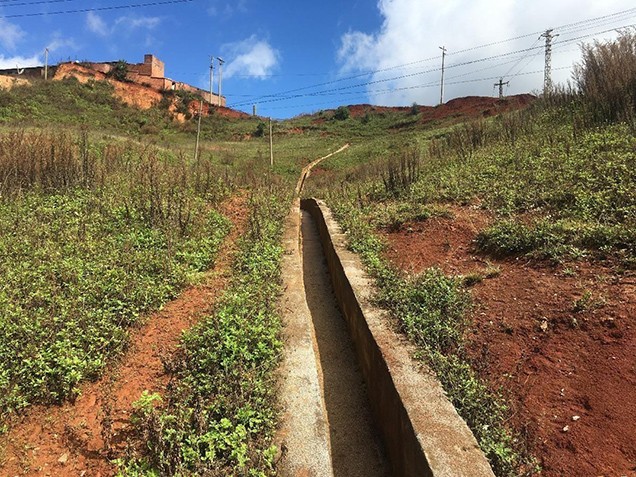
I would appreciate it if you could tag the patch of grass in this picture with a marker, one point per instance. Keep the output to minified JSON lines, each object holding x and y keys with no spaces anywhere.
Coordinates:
{"x":89,"y":246}
{"x":392,"y":215}
{"x":219,"y":414}
{"x":431,"y":310}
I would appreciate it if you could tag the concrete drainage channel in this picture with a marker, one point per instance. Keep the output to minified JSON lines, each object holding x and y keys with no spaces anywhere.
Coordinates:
{"x":356,"y":404}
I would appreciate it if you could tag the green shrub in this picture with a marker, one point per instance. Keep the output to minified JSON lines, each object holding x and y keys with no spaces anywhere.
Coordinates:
{"x":220,"y":415}
{"x":342,"y":113}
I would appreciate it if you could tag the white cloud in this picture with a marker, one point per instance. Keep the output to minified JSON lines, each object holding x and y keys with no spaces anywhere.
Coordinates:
{"x":95,"y":24}
{"x":58,"y":42}
{"x":125,"y":24}
{"x":10,"y":34}
{"x":413,"y":30}
{"x":19,"y":61}
{"x":251,"y":56}
{"x":226,"y":9}
{"x":135,"y":23}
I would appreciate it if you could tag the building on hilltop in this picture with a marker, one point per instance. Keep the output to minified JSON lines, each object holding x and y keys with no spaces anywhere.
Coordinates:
{"x":150,"y":73}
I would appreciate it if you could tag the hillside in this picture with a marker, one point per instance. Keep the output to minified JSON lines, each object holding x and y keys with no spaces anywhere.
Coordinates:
{"x":141,"y":323}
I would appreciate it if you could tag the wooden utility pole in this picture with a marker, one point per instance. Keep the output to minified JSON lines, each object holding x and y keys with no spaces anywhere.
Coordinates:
{"x":46,"y":64}
{"x":196,"y":148}
{"x":441,"y":95}
{"x":271,"y":145}
{"x":501,"y":85}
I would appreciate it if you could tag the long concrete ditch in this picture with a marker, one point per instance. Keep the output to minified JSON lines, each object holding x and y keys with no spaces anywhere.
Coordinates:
{"x":421,"y":430}
{"x":303,"y":437}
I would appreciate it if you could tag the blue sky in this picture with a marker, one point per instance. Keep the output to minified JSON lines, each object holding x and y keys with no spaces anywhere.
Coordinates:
{"x":295,"y":56}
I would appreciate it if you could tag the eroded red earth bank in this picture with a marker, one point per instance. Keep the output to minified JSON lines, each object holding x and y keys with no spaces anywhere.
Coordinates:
{"x":559,"y":340}
{"x":82,"y":438}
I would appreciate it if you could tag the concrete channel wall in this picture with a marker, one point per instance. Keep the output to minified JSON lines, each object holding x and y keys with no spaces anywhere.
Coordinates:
{"x":422,"y":432}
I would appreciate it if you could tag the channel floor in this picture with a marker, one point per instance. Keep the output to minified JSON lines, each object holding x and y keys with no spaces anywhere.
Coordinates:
{"x":356,"y":448}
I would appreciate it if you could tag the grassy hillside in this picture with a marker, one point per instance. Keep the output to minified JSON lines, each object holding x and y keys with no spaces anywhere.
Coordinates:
{"x":559,"y":179}
{"x":105,"y":214}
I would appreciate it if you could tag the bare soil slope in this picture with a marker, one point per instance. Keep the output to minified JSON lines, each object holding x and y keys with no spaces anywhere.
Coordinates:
{"x":559,"y":340}
{"x":80,"y":438}
{"x":459,"y":108}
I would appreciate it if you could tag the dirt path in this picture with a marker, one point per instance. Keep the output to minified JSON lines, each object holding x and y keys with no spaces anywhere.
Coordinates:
{"x":304,"y":175}
{"x":356,"y":449}
{"x":79,"y":439}
{"x":560,"y":340}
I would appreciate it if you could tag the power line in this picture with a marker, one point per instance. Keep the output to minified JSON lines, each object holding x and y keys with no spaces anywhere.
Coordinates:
{"x":588,"y":22}
{"x":96,"y":9}
{"x":39,"y":2}
{"x":275,"y":98}
{"x":392,"y":90}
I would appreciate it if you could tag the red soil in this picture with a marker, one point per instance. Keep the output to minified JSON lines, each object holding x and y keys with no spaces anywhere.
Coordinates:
{"x":461,"y":108}
{"x":140,"y":96}
{"x":552,"y":362}
{"x":80,"y":438}
{"x":132,"y":94}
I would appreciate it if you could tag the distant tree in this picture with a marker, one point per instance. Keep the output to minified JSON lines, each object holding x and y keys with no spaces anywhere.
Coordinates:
{"x":119,"y":71}
{"x":260,"y":130}
{"x":342,"y":113}
{"x":415,"y":109}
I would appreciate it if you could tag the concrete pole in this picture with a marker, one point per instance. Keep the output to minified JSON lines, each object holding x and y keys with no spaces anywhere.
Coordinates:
{"x":220,"y":78}
{"x":46,"y":64}
{"x":211,"y":77}
{"x":271,"y":145}
{"x":196,"y":148}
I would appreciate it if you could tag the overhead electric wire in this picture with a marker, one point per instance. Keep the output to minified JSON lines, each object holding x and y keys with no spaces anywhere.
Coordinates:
{"x":429,"y":85}
{"x":604,"y":18}
{"x":38,"y":2}
{"x":97,"y":9}
{"x":466,"y":63}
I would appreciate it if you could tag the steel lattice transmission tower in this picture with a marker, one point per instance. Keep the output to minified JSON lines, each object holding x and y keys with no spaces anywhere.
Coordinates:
{"x":441,"y":94}
{"x":501,"y":84}
{"x":547,"y":81}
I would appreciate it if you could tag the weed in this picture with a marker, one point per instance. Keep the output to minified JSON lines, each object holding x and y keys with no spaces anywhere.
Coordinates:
{"x":88,"y":245}
{"x":219,"y":415}
{"x":431,"y":310}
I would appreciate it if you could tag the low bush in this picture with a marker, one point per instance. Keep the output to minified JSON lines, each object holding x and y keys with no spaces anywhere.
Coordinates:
{"x":219,"y":415}
{"x":91,"y":238}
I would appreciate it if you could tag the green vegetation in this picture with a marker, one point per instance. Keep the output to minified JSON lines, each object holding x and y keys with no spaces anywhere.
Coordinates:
{"x":342,"y":113}
{"x":219,"y":418}
{"x":96,"y":229}
{"x":559,"y":178}
{"x":119,"y":71}
{"x":91,"y":236}
{"x":431,"y":310}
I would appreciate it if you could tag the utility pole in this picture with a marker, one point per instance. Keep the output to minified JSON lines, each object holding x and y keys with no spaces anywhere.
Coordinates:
{"x":196,"y":148}
{"x":501,"y":85}
{"x":253,"y":110}
{"x":441,"y":95}
{"x":547,"y":81}
{"x":46,"y":64}
{"x":221,"y":61}
{"x":271,"y":144}
{"x":211,"y":77}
